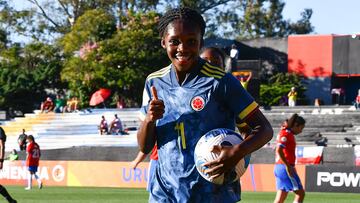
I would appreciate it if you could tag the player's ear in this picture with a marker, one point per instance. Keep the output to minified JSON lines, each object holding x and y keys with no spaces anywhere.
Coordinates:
{"x":163,"y":43}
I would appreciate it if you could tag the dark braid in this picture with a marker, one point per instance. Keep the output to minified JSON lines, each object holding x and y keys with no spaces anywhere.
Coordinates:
{"x":295,"y":119}
{"x":183,"y":13}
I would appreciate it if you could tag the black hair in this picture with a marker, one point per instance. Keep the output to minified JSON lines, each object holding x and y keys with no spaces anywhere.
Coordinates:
{"x":182,"y":13}
{"x":215,"y":49}
{"x":295,"y":119}
{"x":30,"y":137}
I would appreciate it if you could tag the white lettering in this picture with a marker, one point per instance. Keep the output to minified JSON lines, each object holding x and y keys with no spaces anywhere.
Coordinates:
{"x":338,"y":179}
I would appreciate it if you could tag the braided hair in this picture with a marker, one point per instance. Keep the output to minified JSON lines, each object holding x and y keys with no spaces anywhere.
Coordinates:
{"x":183,"y":13}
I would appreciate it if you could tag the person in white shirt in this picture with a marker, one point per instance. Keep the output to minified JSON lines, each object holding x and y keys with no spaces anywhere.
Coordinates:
{"x":234,"y":53}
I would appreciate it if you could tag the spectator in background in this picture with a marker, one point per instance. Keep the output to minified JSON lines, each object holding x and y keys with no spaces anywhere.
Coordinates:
{"x":120,"y":103}
{"x":71,"y":105}
{"x":3,"y":190}
{"x":47,"y":105}
{"x":103,"y":126}
{"x":214,"y":56}
{"x":234,"y":52}
{"x":292,"y":96}
{"x":116,"y":126}
{"x":33,"y":154}
{"x":22,"y":140}
{"x":244,"y":80}
{"x":357,"y":100}
{"x":60,"y":103}
{"x":13,"y":156}
{"x":234,"y":55}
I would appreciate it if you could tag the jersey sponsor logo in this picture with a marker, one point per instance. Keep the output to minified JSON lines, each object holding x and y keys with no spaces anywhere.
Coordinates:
{"x":197,"y":103}
{"x":338,"y":179}
{"x":283,"y":139}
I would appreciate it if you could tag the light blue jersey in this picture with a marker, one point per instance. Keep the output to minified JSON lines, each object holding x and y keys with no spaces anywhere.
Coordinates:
{"x":209,"y":98}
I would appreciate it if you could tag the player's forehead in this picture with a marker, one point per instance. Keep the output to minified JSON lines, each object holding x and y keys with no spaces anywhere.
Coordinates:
{"x":180,"y":28}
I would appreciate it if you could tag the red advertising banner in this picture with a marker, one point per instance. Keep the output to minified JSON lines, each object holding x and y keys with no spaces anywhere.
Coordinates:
{"x":50,"y":172}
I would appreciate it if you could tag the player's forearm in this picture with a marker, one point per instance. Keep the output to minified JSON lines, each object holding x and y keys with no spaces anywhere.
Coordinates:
{"x":261,"y":134}
{"x":146,"y":136}
{"x":2,"y":150}
{"x":281,"y":154}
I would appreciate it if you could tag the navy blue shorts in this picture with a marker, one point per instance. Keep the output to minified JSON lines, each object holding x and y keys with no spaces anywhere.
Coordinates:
{"x":284,"y":181}
{"x":33,"y":168}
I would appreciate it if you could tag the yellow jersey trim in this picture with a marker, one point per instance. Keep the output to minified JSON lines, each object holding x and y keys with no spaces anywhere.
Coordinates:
{"x":212,"y":71}
{"x":160,"y":73}
{"x":248,"y":110}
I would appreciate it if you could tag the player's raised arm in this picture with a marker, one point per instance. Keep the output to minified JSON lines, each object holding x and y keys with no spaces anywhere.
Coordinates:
{"x":146,"y":133}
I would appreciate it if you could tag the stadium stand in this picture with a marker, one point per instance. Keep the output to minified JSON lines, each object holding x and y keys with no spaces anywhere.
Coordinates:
{"x":73,"y":136}
{"x":65,"y":130}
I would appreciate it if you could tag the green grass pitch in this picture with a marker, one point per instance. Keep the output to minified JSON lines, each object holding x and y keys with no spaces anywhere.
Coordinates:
{"x":119,"y":195}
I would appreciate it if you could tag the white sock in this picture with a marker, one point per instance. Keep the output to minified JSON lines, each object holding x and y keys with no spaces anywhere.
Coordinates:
{"x":29,"y":180}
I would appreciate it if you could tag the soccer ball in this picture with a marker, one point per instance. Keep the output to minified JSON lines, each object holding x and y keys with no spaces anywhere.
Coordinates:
{"x":203,"y":154}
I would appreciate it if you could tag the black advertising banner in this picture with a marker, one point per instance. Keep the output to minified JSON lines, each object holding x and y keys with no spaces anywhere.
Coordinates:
{"x":332,"y":179}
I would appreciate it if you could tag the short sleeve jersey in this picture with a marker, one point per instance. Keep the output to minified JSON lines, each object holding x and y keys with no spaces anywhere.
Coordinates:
{"x":286,"y":140}
{"x":33,"y":151}
{"x":154,"y":153}
{"x":208,"y":98}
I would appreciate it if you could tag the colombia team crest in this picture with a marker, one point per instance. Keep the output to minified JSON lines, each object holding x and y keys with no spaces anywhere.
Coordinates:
{"x":197,"y":103}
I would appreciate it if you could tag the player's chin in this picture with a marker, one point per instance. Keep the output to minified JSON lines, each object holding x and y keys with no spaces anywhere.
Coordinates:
{"x":184,"y":66}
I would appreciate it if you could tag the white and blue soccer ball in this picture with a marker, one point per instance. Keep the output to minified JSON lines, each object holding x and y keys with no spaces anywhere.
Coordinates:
{"x":203,"y":154}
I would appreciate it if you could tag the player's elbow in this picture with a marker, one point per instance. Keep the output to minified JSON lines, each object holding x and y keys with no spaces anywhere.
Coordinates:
{"x":268,"y":133}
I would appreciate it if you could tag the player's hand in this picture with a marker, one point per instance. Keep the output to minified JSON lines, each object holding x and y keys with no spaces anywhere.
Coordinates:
{"x":156,"y":107}
{"x":226,"y":161}
{"x":133,"y":165}
{"x":290,"y":170}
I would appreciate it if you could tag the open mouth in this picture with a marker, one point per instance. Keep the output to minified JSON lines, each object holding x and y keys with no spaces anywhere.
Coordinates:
{"x":183,"y":58}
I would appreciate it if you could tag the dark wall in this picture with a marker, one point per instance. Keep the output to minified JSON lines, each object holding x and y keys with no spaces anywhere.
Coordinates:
{"x":346,"y":55}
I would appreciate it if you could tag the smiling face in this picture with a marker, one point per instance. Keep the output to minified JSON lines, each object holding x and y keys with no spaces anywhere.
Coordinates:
{"x":182,"y":41}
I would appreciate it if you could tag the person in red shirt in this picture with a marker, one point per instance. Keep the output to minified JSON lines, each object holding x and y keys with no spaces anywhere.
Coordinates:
{"x":33,"y":154}
{"x":152,"y":165}
{"x":357,"y":100}
{"x":286,"y":176}
{"x":103,"y":126}
{"x":47,"y":105}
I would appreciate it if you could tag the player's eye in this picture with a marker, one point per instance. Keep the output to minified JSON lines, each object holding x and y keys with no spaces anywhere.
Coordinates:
{"x":174,"y":42}
{"x":192,"y":42}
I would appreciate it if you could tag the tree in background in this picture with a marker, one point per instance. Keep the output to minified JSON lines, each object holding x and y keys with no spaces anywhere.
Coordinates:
{"x":121,"y":60}
{"x":250,"y":19}
{"x":84,"y":44}
{"x":25,"y":74}
{"x":279,"y":86}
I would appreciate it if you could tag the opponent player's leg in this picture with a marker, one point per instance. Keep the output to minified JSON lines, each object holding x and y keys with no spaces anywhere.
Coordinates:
{"x":299,"y":196}
{"x":280,"y":196}
{"x":29,"y":183}
{"x":7,"y":196}
{"x":38,"y":180}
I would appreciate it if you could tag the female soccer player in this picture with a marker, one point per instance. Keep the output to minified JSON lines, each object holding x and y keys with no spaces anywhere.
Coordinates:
{"x":286,"y":176}
{"x":32,"y":161}
{"x":185,"y":100}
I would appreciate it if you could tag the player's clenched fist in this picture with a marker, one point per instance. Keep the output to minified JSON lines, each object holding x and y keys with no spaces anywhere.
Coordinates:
{"x":156,"y":107}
